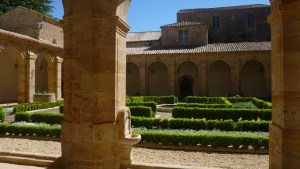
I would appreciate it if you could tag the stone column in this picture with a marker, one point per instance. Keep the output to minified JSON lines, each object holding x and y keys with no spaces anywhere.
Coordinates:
{"x":94,"y":82}
{"x":172,"y":77}
{"x":21,"y":66}
{"x":203,"y":74}
{"x":142,"y":77}
{"x":51,"y":75}
{"x":235,"y":79}
{"x":285,"y":128}
{"x":30,"y":75}
{"x":58,"y":77}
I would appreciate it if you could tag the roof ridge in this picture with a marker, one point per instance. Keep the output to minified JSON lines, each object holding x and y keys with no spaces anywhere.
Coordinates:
{"x":224,"y":8}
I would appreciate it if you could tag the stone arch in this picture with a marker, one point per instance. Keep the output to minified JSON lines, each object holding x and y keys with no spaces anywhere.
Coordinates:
{"x":219,"y":79}
{"x":44,"y":73}
{"x":188,"y":70}
{"x":253,"y":79}
{"x":132,"y":79}
{"x":12,"y":64}
{"x":186,"y":86}
{"x":158,"y":79}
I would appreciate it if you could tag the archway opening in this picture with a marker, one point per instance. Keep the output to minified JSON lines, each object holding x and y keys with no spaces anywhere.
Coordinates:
{"x":41,"y":75}
{"x":9,"y":75}
{"x":253,"y":79}
{"x":158,"y":79}
{"x":132,"y":79}
{"x":219,"y":79}
{"x":188,"y":70}
{"x":186,"y":87}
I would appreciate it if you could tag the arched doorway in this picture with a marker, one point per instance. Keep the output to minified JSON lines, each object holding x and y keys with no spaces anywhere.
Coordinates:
{"x":188,"y":77}
{"x":158,"y":79}
{"x":9,"y":64}
{"x":41,"y":75}
{"x":219,"y":79}
{"x":253,"y":79}
{"x":186,"y":86}
{"x":132,"y":79}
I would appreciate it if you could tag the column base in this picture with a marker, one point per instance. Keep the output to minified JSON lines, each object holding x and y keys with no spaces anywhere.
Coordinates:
{"x":284,"y":148}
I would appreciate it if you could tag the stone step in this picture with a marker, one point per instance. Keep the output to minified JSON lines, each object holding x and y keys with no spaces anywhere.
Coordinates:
{"x":30,"y":159}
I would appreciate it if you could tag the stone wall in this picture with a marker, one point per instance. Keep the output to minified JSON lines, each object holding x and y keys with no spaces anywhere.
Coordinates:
{"x":26,"y":22}
{"x":197,"y":35}
{"x":203,"y":61}
{"x":232,"y":23}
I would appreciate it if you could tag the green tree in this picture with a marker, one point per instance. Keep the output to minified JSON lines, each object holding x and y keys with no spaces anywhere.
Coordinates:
{"x":42,"y":6}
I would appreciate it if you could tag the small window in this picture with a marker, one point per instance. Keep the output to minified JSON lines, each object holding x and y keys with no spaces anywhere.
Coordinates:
{"x":215,"y":22}
{"x":183,"y":36}
{"x":251,"y":21}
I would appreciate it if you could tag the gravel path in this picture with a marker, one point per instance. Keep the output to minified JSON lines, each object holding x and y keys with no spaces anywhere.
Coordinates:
{"x":143,"y":155}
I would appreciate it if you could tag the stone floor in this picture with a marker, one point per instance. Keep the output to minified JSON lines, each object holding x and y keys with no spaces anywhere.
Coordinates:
{"x":14,"y":166}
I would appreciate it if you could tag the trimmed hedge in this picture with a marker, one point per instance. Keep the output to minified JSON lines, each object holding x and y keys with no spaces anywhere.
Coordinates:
{"x":51,"y":131}
{"x":39,"y":117}
{"x":214,"y":140}
{"x":156,"y":99}
{"x":199,"y":105}
{"x":2,"y":115}
{"x":207,"y":100}
{"x":141,"y":111}
{"x":198,"y":124}
{"x":35,"y":106}
{"x":49,"y":118}
{"x":61,"y":109}
{"x":152,"y":104}
{"x":214,"y":114}
{"x":260,"y":104}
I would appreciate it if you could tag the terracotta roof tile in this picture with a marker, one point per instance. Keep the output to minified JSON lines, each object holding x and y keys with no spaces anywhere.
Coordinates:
{"x":184,"y":23}
{"x":223,"y":8}
{"x":143,"y":36}
{"x":210,"y":48}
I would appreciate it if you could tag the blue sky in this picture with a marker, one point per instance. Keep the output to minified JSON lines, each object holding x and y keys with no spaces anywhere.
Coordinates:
{"x":149,"y":15}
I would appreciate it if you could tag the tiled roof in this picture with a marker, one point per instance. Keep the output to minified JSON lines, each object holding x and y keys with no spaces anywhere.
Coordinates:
{"x":184,"y":23}
{"x":209,"y":48}
{"x":223,"y":8}
{"x":143,"y":36}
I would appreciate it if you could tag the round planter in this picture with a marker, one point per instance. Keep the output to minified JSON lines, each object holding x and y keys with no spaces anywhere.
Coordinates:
{"x":44,"y":97}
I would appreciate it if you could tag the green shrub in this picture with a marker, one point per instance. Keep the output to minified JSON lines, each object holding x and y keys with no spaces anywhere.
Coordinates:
{"x":140,"y":111}
{"x":22,"y":116}
{"x":35,"y":106}
{"x":246,"y":125}
{"x":49,"y":118}
{"x":151,"y":104}
{"x":199,"y":105}
{"x":61,"y":109}
{"x":244,"y":105}
{"x":207,"y":100}
{"x":235,"y":99}
{"x":214,"y":114}
{"x":156,"y":99}
{"x":51,"y":131}
{"x":215,"y":140}
{"x":199,"y":124}
{"x":2,"y":115}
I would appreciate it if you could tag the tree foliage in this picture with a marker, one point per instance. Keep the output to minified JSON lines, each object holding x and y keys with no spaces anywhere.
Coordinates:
{"x":42,"y":6}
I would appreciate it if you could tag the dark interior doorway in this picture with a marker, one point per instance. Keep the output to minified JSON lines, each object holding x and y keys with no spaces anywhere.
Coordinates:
{"x":186,"y":87}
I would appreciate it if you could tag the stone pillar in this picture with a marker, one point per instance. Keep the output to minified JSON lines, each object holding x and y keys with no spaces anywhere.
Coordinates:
{"x":94,"y":82}
{"x":172,"y":77}
{"x":51,"y":75}
{"x":21,"y":66}
{"x":285,"y":128}
{"x":58,"y":77}
{"x":30,"y":75}
{"x":235,"y":79}
{"x":142,"y":78}
{"x":202,"y":79}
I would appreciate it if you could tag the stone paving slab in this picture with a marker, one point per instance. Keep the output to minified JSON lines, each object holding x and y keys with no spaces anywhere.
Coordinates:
{"x":14,"y":166}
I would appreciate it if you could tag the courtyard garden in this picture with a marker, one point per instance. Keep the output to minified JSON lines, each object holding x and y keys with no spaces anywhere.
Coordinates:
{"x":230,"y":123}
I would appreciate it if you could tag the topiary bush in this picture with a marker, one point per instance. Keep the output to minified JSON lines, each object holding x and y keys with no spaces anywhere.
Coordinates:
{"x":22,"y":116}
{"x":2,"y":115}
{"x":49,"y":118}
{"x":140,"y":111}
